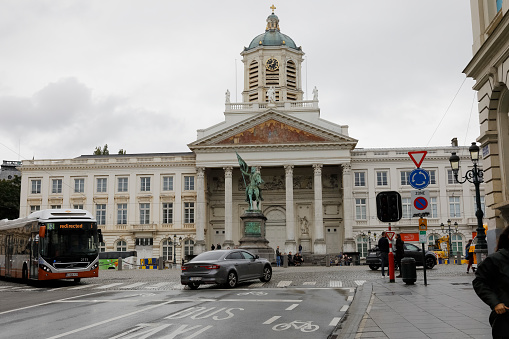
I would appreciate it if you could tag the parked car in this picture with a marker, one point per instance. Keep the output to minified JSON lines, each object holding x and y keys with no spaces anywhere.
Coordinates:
{"x":225,"y":267}
{"x":374,"y":259}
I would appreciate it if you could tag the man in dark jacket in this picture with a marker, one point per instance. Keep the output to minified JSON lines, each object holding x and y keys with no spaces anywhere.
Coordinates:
{"x":383,"y":247}
{"x":491,"y":284}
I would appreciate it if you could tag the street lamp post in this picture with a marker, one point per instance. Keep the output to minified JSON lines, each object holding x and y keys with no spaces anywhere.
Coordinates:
{"x":174,"y":256}
{"x":475,"y":176}
{"x":449,"y":233}
{"x":369,"y":238}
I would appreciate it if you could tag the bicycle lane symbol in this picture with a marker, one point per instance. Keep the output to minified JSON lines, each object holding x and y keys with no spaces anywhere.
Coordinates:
{"x":304,"y":326}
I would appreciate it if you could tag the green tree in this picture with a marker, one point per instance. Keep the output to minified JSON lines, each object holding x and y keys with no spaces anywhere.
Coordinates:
{"x":122,"y":151}
{"x":9,"y":198}
{"x":101,"y":151}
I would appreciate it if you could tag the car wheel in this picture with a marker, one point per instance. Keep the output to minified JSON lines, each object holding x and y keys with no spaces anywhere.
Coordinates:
{"x":430,"y":263}
{"x":267,"y":274}
{"x":193,"y":285}
{"x":231,"y":280}
{"x":374,"y":267}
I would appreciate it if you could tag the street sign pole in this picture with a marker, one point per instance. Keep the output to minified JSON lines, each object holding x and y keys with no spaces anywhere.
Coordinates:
{"x":392,"y":277}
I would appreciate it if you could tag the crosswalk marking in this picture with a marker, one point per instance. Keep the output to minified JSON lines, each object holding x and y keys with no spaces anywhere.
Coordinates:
{"x":360,"y":282}
{"x":133,"y":285}
{"x":255,"y":285}
{"x":284,"y":283}
{"x":107,"y":286}
{"x":82,"y":287}
{"x":159,"y":285}
{"x":335,"y":283}
{"x":309,"y":283}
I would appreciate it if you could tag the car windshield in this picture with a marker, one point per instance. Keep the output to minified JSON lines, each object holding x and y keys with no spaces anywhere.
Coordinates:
{"x":211,"y":255}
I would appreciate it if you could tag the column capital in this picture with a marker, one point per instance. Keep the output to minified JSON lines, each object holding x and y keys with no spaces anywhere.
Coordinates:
{"x":228,"y":171}
{"x":200,"y":171}
{"x":288,"y":169}
{"x":317,"y":168}
{"x":346,"y":168}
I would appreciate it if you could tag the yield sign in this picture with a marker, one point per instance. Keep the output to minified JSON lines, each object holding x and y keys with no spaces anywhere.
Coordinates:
{"x":417,"y":157}
{"x":390,"y":235}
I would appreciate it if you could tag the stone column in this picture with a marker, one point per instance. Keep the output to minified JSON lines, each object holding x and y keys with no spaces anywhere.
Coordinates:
{"x":201,"y":206}
{"x":228,"y":208}
{"x":348,"y":220}
{"x":319,"y":241}
{"x":290,"y":245}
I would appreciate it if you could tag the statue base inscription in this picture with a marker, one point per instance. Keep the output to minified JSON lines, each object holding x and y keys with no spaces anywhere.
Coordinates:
{"x":253,"y":235}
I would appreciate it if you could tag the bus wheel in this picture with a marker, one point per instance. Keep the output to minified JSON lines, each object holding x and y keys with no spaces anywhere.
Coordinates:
{"x":77,"y":280}
{"x":24,"y":274}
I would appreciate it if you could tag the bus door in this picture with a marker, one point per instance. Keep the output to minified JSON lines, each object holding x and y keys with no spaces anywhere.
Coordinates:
{"x":8,"y":255}
{"x":34,"y":256}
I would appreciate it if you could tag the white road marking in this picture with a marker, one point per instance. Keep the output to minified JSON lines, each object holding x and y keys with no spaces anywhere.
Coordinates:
{"x":291,"y":307}
{"x":158,"y":285}
{"x":255,"y":285}
{"x":309,"y":283}
{"x":82,"y":287}
{"x":107,"y":286}
{"x":133,"y":285}
{"x":335,"y":283}
{"x":334,"y":321}
{"x":271,"y":320}
{"x":350,"y":298}
{"x":284,"y":283}
{"x":360,"y":282}
{"x":55,"y":289}
{"x":344,"y":308}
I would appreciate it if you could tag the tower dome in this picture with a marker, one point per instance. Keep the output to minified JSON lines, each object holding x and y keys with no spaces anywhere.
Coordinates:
{"x":272,"y":36}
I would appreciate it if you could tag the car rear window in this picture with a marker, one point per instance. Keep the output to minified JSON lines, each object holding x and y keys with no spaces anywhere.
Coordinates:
{"x":211,"y":255}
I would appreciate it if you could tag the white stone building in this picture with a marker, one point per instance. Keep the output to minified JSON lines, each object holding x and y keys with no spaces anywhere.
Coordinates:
{"x":319,"y":190}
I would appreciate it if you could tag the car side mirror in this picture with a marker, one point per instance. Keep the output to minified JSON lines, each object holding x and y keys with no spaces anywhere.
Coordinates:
{"x":257,"y":256}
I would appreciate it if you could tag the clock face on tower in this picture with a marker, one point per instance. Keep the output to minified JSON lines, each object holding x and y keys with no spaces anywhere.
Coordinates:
{"x":272,"y":64}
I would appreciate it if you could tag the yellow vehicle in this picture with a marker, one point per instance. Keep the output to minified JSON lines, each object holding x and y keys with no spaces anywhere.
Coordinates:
{"x":441,"y":247}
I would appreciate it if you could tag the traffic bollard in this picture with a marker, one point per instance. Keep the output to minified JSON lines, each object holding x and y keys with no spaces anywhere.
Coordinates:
{"x":119,"y":267}
{"x":458,"y":258}
{"x":327,"y":261}
{"x":285,"y":261}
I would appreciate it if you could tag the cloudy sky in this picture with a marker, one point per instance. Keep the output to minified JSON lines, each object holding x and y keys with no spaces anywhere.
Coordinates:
{"x":145,"y":75}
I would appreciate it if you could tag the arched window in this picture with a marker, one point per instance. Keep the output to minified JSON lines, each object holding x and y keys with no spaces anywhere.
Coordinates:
{"x":188,"y":247}
{"x":362,"y":245}
{"x":456,"y":243}
{"x":432,"y":240}
{"x":167,"y":250}
{"x":121,"y":246}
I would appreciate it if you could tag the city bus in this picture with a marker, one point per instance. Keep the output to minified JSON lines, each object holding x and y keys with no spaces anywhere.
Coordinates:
{"x":50,"y":244}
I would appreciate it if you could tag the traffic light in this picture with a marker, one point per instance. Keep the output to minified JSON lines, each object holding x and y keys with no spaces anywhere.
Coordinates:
{"x":388,"y":206}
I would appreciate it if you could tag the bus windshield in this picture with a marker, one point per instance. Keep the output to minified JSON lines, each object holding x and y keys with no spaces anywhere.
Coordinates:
{"x":70,"y":240}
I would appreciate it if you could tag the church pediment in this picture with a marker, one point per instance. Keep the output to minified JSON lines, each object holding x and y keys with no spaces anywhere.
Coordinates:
{"x":271,"y":132}
{"x":272,"y":128}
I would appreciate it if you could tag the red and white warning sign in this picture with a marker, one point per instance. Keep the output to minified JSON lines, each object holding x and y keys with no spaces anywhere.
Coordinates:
{"x":390,"y":235}
{"x":417,"y":157}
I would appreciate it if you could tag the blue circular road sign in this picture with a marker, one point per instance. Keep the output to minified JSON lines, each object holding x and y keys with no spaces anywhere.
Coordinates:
{"x":419,"y":179}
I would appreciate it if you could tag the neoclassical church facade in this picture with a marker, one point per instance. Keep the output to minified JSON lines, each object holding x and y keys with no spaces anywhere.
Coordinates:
{"x":319,"y":189}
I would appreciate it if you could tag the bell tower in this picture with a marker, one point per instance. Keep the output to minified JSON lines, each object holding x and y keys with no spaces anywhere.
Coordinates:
{"x":272,"y":60}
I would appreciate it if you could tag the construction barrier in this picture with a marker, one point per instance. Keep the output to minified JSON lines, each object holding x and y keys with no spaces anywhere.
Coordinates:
{"x":148,"y":264}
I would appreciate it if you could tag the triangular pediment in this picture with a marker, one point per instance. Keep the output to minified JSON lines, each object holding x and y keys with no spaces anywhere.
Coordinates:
{"x":272,"y":128}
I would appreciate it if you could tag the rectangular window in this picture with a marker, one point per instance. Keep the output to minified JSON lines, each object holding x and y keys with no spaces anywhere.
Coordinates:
{"x":121,"y":214}
{"x":56,"y":207}
{"x":122,"y":184}
{"x":101,"y":185}
{"x":450,"y":177}
{"x":79,"y":185}
{"x":167,"y":213}
{"x":188,"y":183}
{"x":34,"y":208}
{"x":454,"y":207}
{"x":144,"y":213}
{"x":145,"y":184}
{"x":36,"y":187}
{"x":405,"y":178}
{"x":189,"y":212}
{"x":56,"y":186}
{"x":100,"y":214}
{"x":360,"y":179}
{"x":78,"y":206}
{"x":406,"y":206}
{"x":433,"y":208}
{"x":167,"y":183}
{"x":432,"y":177}
{"x":381,"y":178}
{"x":360,"y":209}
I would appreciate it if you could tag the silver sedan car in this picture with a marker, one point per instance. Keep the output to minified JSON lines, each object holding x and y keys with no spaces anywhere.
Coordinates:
{"x":226,"y":267}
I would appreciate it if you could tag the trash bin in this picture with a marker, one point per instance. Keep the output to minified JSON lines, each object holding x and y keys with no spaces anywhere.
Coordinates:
{"x":408,"y":270}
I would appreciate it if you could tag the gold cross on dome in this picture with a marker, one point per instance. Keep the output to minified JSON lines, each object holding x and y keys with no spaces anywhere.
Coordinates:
{"x":273,"y":8}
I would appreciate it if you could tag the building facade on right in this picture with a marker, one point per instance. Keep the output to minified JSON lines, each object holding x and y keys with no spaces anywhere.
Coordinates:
{"x":489,"y":68}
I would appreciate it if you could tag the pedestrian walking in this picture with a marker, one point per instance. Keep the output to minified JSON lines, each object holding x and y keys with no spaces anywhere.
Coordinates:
{"x":469,"y":256}
{"x":212,"y":247}
{"x":491,"y":284}
{"x":278,"y":257}
{"x":383,"y":247}
{"x":400,"y":252}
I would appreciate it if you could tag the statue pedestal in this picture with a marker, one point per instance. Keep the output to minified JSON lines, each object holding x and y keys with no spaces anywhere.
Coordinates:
{"x":253,"y":235}
{"x":305,"y":241}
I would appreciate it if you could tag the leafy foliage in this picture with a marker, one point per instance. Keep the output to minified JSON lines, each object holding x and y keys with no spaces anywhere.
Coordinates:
{"x":101,"y":151}
{"x":9,"y":198}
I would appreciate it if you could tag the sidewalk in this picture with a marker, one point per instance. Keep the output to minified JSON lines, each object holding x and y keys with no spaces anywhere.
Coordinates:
{"x":446,"y":308}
